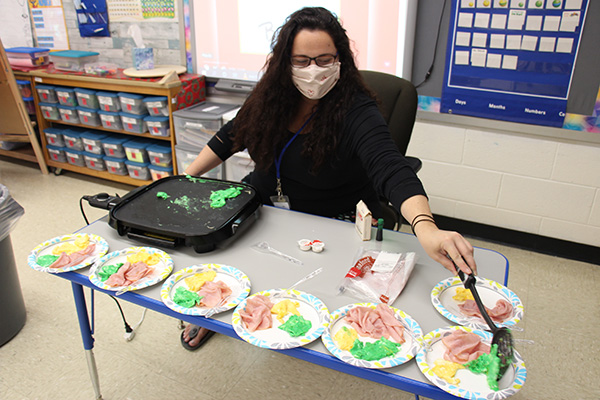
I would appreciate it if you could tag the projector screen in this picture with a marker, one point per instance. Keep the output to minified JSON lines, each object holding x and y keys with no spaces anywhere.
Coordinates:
{"x":230,"y":39}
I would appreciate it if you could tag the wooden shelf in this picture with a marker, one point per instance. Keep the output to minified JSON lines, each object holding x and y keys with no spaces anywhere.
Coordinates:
{"x":23,"y":153}
{"x":146,"y":135}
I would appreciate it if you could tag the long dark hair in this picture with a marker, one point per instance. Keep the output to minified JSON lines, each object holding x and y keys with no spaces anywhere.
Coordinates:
{"x":266,"y":114}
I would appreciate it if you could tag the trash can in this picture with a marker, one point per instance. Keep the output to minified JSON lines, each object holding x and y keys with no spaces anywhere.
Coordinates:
{"x":12,"y":306}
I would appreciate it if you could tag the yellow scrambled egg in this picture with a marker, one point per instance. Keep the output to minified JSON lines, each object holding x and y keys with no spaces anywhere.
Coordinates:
{"x":345,"y":337}
{"x":195,"y":282}
{"x":463,"y":294}
{"x":145,"y":257}
{"x":80,"y":243}
{"x":446,"y":370}
{"x":284,"y":308}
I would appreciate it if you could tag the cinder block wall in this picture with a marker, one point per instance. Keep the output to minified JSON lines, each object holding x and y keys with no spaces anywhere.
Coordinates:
{"x":162,"y":36}
{"x":543,"y":186}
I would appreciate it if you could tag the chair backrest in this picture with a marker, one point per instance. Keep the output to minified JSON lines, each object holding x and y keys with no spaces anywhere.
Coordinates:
{"x":398,"y":104}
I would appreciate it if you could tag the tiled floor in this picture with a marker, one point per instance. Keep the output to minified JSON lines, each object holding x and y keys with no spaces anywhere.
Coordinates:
{"x":46,"y":359}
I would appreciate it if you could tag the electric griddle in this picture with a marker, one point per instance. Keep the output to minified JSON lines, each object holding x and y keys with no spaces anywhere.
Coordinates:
{"x":178,"y":210}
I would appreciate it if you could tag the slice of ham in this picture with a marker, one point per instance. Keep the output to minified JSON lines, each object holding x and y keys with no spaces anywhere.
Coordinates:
{"x":69,"y":260}
{"x":257,"y":313}
{"x":213,"y":293}
{"x":128,"y":274}
{"x":463,"y":346}
{"x":376,"y":323}
{"x":501,"y":311}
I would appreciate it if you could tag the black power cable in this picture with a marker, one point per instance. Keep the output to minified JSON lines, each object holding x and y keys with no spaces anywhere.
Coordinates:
{"x":437,"y":38}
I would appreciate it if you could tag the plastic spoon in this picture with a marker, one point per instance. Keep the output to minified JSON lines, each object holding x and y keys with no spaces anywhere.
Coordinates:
{"x":295,"y":285}
{"x":265,"y":248}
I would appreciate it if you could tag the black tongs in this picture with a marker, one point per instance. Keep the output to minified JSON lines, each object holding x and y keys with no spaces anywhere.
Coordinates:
{"x":502,"y":336}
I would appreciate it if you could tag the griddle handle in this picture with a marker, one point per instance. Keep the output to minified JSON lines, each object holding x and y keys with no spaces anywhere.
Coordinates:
{"x":154,"y":241}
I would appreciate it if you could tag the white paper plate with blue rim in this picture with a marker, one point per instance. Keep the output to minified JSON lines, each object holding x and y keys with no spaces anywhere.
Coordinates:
{"x":489,"y":291}
{"x":235,"y":279}
{"x":161,"y":270}
{"x":471,"y":385}
{"x":310,"y":308}
{"x":407,"y":352}
{"x":48,"y":246}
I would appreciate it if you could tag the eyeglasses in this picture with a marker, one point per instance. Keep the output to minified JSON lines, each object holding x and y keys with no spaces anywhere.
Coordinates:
{"x":324,"y":60}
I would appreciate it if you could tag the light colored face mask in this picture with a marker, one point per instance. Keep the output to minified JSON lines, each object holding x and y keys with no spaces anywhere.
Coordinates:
{"x":315,"y":82}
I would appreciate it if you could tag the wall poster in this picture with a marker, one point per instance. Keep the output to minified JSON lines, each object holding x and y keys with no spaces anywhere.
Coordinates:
{"x":49,"y":25}
{"x":512,"y":60}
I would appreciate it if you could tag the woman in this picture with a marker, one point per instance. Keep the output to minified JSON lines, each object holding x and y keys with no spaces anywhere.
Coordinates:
{"x":320,"y":143}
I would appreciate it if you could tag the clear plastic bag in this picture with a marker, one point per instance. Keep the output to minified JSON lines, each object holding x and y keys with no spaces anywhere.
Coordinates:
{"x":10,"y":212}
{"x":378,"y":276}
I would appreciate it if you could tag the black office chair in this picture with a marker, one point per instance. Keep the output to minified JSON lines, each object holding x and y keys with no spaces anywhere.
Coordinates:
{"x":398,"y":104}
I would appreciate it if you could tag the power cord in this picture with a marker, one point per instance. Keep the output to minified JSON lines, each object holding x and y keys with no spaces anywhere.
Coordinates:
{"x":437,"y":38}
{"x":129,"y":331}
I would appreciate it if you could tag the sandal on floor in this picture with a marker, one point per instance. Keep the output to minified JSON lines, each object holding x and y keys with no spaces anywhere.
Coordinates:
{"x":193,"y":333}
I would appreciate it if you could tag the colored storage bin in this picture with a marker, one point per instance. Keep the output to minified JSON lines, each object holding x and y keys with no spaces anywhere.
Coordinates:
{"x":110,"y":120}
{"x":46,"y":93}
{"x":29,"y":105}
{"x":108,"y":101}
{"x":113,"y":146}
{"x":133,"y":123}
{"x":50,"y":111}
{"x":72,"y":60}
{"x":27,"y":56}
{"x":87,"y":116}
{"x":160,"y":155}
{"x":87,"y":98}
{"x":92,"y":142}
{"x":136,"y":150}
{"x":138,"y":170}
{"x":157,"y":172}
{"x":24,"y":88}
{"x":66,"y":96}
{"x":68,"y":114}
{"x":94,"y":161}
{"x":72,"y":139}
{"x":75,"y":157}
{"x":157,"y":106}
{"x":115,"y":165}
{"x":158,"y":126}
{"x":132,"y":103}
{"x":54,"y":137}
{"x":57,"y":153}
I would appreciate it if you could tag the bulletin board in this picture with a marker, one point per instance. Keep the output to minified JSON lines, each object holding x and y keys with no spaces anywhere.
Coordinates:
{"x":512,"y":60}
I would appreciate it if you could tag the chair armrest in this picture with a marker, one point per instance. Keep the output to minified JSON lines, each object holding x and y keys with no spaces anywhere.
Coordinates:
{"x":415,"y":163}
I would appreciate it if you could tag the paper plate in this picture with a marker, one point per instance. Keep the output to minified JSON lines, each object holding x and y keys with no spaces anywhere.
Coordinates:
{"x":311,"y":308}
{"x":46,"y":248}
{"x":237,"y":281}
{"x":407,"y":351}
{"x":471,"y":385}
{"x":489,"y":291}
{"x":161,"y":270}
{"x":157,"y":71}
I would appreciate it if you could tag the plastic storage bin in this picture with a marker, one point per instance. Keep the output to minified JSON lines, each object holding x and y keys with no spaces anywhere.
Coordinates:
{"x":138,"y":170}
{"x":132,"y":103}
{"x":133,"y":123}
{"x":89,"y":117}
{"x":73,"y":139}
{"x":87,"y":98}
{"x":185,"y":155}
{"x":54,"y":137}
{"x":115,"y":165}
{"x":113,"y":146}
{"x":75,"y":157}
{"x":28,"y":56}
{"x":195,"y":125}
{"x":72,"y":60}
{"x":46,"y":93}
{"x":29,"y":105}
{"x":110,"y":120}
{"x":108,"y":101}
{"x":238,"y":166}
{"x":50,"y":111}
{"x":24,"y":88}
{"x":57,"y":153}
{"x":68,"y":114}
{"x":157,"y":172}
{"x":92,"y":142}
{"x":94,"y":161}
{"x":158,"y":126}
{"x":66,"y":96}
{"x":160,"y":155}
{"x":157,"y":106}
{"x":136,"y":151}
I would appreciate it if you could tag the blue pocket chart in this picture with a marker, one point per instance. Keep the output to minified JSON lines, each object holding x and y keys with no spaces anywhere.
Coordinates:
{"x":512,"y":60}
{"x":92,"y":17}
